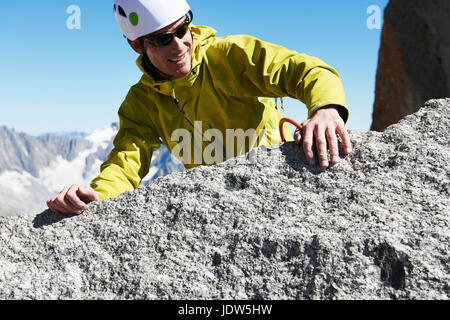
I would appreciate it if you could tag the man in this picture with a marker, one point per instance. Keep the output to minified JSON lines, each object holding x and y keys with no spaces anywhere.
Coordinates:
{"x":207,"y":86}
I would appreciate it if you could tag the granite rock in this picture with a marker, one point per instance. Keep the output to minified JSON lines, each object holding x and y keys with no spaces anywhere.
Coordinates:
{"x":261,"y":226}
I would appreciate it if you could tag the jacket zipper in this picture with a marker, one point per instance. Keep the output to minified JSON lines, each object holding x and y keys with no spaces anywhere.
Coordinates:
{"x":176,"y":102}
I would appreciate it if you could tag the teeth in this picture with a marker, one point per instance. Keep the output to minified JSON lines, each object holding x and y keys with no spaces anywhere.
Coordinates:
{"x":179,"y":59}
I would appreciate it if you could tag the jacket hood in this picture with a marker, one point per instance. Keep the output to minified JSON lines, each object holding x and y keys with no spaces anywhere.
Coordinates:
{"x":202,"y":38}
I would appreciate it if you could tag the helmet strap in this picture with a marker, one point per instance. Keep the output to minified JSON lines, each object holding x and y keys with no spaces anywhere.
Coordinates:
{"x":148,"y":65}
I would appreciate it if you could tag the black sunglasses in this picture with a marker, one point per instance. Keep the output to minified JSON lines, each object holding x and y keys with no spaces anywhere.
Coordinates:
{"x":164,"y":39}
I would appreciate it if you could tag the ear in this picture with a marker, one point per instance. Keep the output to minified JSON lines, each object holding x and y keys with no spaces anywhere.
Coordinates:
{"x":135,"y":45}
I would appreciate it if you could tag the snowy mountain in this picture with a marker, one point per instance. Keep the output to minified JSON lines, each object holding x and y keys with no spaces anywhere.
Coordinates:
{"x":34,"y":169}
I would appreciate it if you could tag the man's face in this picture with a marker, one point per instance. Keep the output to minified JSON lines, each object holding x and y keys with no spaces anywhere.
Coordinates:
{"x":175,"y":59}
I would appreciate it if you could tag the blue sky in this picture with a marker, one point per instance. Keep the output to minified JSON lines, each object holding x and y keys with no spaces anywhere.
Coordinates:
{"x":56,"y":79}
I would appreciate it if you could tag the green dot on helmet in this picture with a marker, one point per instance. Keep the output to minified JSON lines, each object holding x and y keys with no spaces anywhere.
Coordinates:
{"x":134,"y":19}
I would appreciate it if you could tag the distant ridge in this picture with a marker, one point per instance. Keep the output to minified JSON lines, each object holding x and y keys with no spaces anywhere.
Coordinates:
{"x":35,"y":168}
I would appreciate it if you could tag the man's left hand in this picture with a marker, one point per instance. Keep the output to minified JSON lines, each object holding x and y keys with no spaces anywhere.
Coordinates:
{"x":322,"y":129}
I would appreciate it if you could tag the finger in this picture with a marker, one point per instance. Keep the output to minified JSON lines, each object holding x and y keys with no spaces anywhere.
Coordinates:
{"x":50,"y":205}
{"x":54,"y":207}
{"x":88,"y":194}
{"x":298,"y":136}
{"x":348,"y":148}
{"x":333,"y":145}
{"x":52,"y":200}
{"x":308,"y":144}
{"x":73,"y":198}
{"x":64,"y":204}
{"x":321,"y":145}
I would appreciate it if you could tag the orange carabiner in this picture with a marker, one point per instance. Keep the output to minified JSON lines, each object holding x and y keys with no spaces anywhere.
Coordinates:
{"x":295,"y":123}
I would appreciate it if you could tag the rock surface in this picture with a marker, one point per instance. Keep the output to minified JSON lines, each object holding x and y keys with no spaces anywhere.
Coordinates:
{"x":414,"y":59}
{"x":261,"y":226}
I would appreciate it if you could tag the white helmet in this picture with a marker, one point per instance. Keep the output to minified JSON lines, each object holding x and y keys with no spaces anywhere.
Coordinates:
{"x":137,"y":18}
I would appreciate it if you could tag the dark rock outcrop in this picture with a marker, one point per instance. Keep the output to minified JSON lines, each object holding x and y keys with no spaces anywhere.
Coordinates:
{"x":414,"y":59}
{"x":261,"y":226}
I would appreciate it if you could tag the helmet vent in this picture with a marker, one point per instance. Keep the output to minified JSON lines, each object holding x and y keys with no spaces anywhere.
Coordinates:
{"x":122,"y":12}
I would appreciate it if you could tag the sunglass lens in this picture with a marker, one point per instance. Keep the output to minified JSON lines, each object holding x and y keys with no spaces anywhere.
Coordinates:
{"x":181,"y":31}
{"x":164,"y":40}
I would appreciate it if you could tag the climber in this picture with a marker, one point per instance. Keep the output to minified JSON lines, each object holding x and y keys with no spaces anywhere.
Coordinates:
{"x":195,"y":81}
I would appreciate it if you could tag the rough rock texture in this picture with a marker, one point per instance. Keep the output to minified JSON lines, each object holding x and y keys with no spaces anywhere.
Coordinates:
{"x":261,"y":226}
{"x":414,"y":59}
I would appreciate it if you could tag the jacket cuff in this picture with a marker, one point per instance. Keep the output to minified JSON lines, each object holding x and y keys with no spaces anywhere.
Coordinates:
{"x":343,"y":112}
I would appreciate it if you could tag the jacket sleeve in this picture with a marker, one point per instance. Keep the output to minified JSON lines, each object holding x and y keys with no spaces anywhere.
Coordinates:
{"x":265,"y":69}
{"x":129,"y":161}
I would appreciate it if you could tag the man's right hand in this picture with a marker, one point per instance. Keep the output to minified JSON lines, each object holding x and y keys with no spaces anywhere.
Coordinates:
{"x":73,"y":199}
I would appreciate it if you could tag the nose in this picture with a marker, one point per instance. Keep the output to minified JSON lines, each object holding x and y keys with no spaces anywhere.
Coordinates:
{"x":177,"y":44}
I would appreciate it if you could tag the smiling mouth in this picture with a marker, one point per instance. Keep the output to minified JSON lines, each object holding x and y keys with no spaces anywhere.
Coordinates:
{"x":178,"y":59}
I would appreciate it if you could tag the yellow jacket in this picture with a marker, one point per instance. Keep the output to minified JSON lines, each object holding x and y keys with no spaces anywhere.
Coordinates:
{"x":231,"y":86}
